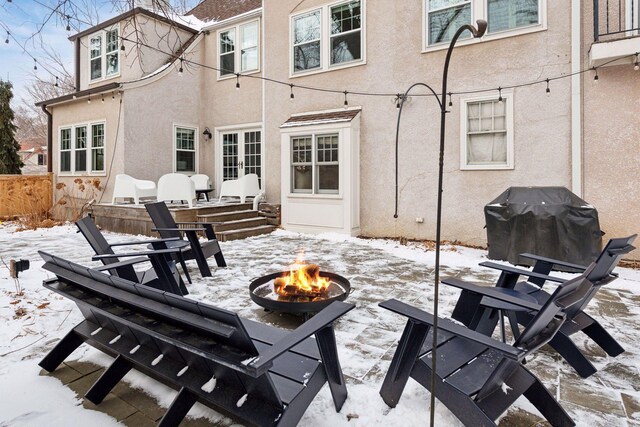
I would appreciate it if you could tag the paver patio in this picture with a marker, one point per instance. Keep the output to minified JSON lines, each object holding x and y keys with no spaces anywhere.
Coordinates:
{"x":367,"y":336}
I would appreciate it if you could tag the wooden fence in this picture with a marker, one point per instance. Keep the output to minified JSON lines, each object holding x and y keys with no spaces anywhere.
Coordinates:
{"x":25,"y":194}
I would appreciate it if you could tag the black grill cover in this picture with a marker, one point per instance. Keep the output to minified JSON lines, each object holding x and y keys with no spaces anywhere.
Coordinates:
{"x":547,"y":221}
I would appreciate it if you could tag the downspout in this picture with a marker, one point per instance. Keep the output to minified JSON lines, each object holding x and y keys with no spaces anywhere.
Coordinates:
{"x":77,"y":64}
{"x":49,"y":138}
{"x":576,"y":100}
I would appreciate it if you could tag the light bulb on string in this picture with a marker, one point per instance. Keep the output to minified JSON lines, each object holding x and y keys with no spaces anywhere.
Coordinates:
{"x":398,"y":98}
{"x":237,"y":81}
{"x":122,"y":44}
{"x":548,"y":89}
{"x":596,"y":77}
{"x":636,"y":65}
{"x":180,"y":70}
{"x":346,"y":103}
{"x":291,"y":96}
{"x":500,"y":95}
{"x":68,"y":23}
{"x":89,"y":100}
{"x":113,"y":95}
{"x":7,"y":39}
{"x":450,"y":101}
{"x":56,"y":85}
{"x":35,"y":64}
{"x":102,"y":97}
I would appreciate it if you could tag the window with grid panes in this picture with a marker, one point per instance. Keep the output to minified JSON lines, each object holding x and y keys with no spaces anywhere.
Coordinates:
{"x":488,"y":143}
{"x":345,"y":33}
{"x":327,"y":169}
{"x":185,"y":143}
{"x":306,"y":41}
{"x":301,"y":164}
{"x":252,"y":154}
{"x":80,"y":149}
{"x":65,"y":150}
{"x":104,"y":54}
{"x":227,"y":52}
{"x":97,"y":148}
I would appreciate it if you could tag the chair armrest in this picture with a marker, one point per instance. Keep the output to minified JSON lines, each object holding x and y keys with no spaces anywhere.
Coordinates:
{"x":328,"y":315}
{"x":491,"y":292}
{"x":144,"y":242}
{"x":121,"y":264}
{"x":521,"y":272}
{"x":425,"y":318}
{"x":125,"y":255}
{"x":553,"y":261}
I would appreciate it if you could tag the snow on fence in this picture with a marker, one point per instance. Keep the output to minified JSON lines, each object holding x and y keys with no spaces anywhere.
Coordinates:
{"x":25,"y":194}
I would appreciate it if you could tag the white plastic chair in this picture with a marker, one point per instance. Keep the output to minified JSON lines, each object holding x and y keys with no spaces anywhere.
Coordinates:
{"x":246,"y":186}
{"x":176,"y":186}
{"x":203,"y":185}
{"x":129,"y":187}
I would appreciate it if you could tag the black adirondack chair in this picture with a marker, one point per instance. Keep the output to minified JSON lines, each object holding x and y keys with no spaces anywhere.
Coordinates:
{"x":167,"y":227}
{"x":473,"y":369}
{"x":479,"y":314}
{"x":160,"y":258}
{"x":255,"y":373}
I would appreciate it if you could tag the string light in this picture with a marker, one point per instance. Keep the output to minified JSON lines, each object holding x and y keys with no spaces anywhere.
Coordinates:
{"x":7,"y":39}
{"x":68,"y":23}
{"x":89,"y":100}
{"x":122,"y":48}
{"x":636,"y":65}
{"x":500,"y":95}
{"x":346,"y":103}
{"x":398,"y":97}
{"x":596,"y":78}
{"x":450,"y":101}
{"x":180,"y":70}
{"x":113,"y":95}
{"x":35,"y":64}
{"x":237,"y":81}
{"x":292,"y":96}
{"x":56,"y":85}
{"x":102,"y":94}
{"x":548,"y":90}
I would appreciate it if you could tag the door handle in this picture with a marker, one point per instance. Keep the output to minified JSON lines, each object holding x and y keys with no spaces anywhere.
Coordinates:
{"x":241,"y":165}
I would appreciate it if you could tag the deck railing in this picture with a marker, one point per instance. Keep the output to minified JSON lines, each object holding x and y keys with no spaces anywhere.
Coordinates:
{"x":615,"y":19}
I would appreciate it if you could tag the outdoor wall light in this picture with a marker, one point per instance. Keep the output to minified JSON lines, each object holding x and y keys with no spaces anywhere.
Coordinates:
{"x":207,"y":134}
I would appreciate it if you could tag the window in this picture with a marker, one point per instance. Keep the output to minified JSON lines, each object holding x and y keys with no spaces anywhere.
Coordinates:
{"x":487,"y":129}
{"x":185,"y":143}
{"x":104,"y":56}
{"x":239,"y":56}
{"x":444,"y":17}
{"x":327,"y":37}
{"x":42,"y":159}
{"x":314,"y":164}
{"x":82,"y":149}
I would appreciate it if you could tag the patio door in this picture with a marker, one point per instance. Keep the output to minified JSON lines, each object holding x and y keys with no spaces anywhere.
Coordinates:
{"x":241,"y":153}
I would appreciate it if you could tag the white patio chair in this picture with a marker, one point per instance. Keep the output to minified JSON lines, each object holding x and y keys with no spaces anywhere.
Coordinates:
{"x":203,"y":185}
{"x":176,"y":186}
{"x":246,"y":186}
{"x":129,"y":187}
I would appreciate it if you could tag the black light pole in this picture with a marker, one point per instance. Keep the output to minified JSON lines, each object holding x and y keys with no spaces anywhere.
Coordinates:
{"x":477,"y":33}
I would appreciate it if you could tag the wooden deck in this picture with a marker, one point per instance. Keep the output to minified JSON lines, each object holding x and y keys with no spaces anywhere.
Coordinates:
{"x":233,"y":220}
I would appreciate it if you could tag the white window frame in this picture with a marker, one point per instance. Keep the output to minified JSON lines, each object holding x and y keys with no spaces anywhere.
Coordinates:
{"x":88,"y":149}
{"x":103,"y":54}
{"x":325,"y":40}
{"x":314,"y":164}
{"x":237,"y":52}
{"x":195,"y":146}
{"x":480,"y":10}
{"x":507,"y":96}
{"x":632,"y":21}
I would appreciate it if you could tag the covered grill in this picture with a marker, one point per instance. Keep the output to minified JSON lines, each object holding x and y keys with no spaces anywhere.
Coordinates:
{"x":547,"y":221}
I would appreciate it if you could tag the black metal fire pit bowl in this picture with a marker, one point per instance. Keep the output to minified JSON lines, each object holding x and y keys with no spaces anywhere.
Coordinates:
{"x":340,"y":288}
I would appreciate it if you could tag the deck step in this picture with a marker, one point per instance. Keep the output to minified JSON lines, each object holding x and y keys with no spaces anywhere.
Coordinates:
{"x":240,"y":224}
{"x":228,"y":216}
{"x":206,"y":209}
{"x":225,"y":236}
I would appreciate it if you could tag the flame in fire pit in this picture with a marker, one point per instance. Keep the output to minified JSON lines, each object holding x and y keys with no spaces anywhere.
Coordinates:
{"x":302,"y":280}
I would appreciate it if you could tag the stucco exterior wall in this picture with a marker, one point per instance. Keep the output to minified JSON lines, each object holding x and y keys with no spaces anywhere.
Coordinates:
{"x":136,"y":60}
{"x":80,"y":112}
{"x":394,"y":61}
{"x":611,"y":143}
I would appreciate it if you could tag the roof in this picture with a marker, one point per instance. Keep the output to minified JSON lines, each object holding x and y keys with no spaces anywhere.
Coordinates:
{"x":35,"y":145}
{"x":320,"y":118}
{"x":219,"y":10}
{"x":98,"y":89}
{"x":132,"y":12}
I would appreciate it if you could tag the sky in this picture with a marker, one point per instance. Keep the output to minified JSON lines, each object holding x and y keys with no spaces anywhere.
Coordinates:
{"x":23,"y":18}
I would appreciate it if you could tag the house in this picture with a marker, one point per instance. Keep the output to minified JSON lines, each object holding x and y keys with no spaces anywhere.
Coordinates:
{"x":151,"y":89}
{"x":33,"y":153}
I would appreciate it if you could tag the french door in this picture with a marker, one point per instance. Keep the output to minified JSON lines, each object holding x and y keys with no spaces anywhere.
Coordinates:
{"x":241,"y":153}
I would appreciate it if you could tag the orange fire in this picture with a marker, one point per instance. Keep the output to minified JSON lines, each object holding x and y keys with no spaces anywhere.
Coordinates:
{"x":302,"y":280}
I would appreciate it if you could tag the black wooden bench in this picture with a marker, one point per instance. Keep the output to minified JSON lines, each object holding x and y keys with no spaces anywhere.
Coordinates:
{"x":255,"y":373}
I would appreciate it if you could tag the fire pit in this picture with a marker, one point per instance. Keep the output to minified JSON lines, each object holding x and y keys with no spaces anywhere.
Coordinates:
{"x":301,"y":290}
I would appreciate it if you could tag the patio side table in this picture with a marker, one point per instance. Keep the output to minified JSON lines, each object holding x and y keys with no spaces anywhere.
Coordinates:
{"x":205,"y":192}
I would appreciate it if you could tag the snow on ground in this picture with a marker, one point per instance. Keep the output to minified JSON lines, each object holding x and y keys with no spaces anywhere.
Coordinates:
{"x":367,"y":336}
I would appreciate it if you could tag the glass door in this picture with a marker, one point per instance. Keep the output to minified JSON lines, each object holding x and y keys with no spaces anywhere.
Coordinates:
{"x":241,"y":154}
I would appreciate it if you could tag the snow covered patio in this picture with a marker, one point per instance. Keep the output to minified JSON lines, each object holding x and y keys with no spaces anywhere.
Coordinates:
{"x":367,"y":336}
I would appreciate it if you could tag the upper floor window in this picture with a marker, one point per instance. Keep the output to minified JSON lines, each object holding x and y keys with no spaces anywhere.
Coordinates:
{"x":82,"y":149}
{"x":239,"y":49}
{"x":444,"y":17}
{"x":487,"y":133}
{"x":327,"y":37}
{"x":185,"y":149}
{"x":104,"y":57}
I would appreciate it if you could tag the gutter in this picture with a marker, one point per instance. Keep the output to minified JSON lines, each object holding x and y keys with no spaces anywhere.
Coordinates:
{"x":576,"y":100}
{"x":49,"y":138}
